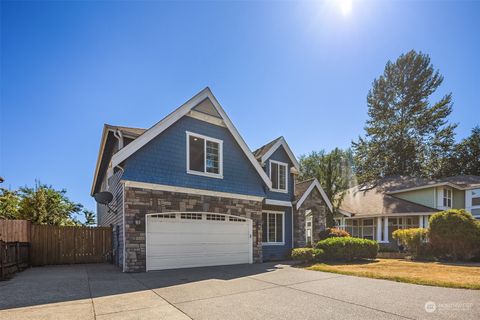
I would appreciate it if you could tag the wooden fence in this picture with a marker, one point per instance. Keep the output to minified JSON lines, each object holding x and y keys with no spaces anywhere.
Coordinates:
{"x":14,"y":230}
{"x":60,"y":245}
{"x":66,"y":245}
{"x":13,"y":258}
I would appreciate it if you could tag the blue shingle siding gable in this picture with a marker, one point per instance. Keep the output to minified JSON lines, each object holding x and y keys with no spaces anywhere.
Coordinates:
{"x":281,"y":156}
{"x":163,"y":161}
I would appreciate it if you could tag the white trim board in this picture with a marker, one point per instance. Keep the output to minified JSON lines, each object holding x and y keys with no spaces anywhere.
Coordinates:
{"x":281,"y":203}
{"x":206,"y":118}
{"x":281,"y":142}
{"x":314,"y":184}
{"x":393,"y":215}
{"x":161,"y":187}
{"x":440,"y":184}
{"x":173,"y":117}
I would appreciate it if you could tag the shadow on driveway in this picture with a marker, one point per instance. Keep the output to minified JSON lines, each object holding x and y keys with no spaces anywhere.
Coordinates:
{"x":70,"y":283}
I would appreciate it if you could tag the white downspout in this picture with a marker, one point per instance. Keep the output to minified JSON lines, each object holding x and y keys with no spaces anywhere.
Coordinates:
{"x":119,"y":135}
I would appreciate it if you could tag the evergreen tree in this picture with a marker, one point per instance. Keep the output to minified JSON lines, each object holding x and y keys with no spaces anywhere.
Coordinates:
{"x":405,"y":133}
{"x":466,"y":158}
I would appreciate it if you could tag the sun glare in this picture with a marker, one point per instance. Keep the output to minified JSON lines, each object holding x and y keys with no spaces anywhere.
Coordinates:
{"x":345,"y":6}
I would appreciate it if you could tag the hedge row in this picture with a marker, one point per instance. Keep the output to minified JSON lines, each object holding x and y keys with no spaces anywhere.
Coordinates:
{"x":339,"y":248}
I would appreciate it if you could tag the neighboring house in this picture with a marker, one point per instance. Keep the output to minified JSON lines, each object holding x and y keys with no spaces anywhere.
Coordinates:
{"x":375,"y":210}
{"x":189,"y":192}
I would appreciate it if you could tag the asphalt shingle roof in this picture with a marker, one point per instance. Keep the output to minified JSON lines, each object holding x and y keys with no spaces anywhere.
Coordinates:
{"x":258,"y":154}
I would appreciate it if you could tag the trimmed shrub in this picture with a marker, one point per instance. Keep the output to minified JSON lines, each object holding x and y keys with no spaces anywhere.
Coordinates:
{"x":454,"y":234}
{"x":332,"y":233}
{"x":348,"y":248}
{"x":302,"y":254}
{"x":318,"y":255}
{"x":413,"y":239}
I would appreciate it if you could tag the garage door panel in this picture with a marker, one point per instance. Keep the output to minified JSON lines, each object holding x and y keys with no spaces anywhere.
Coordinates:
{"x":195,"y":237}
{"x":219,"y":227}
{"x":183,"y":243}
{"x":160,"y":250}
{"x":193,"y":261}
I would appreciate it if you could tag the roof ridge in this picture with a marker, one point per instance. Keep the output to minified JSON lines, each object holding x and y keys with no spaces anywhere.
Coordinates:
{"x":307,"y":180}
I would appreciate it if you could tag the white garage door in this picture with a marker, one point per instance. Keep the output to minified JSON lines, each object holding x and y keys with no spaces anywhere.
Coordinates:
{"x":183,"y":240}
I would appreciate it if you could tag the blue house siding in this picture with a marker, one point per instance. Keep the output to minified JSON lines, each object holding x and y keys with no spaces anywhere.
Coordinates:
{"x":282,"y":156}
{"x":279,"y":252}
{"x":163,"y":161}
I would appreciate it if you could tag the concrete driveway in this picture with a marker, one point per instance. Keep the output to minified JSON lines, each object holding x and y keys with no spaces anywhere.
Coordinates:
{"x":261,"y":291}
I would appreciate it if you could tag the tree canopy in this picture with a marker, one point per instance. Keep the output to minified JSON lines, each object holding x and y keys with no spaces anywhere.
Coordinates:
{"x":406,"y":133}
{"x":42,"y":204}
{"x":334,"y":172}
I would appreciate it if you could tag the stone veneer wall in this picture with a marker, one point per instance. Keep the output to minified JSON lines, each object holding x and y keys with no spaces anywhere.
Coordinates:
{"x":319,"y":209}
{"x":139,"y":202}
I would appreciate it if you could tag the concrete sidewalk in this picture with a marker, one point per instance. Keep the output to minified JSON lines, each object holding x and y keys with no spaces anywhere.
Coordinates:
{"x":260,"y":291}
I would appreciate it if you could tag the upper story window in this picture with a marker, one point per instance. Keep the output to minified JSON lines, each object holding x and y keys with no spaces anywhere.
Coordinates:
{"x":475,"y":198}
{"x":279,"y":176}
{"x":447,"y":198}
{"x":204,"y":155}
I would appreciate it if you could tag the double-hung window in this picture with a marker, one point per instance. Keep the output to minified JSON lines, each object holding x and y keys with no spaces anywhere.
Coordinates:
{"x":204,"y":155}
{"x":447,"y":198}
{"x":279,"y":175}
{"x":273,"y":227}
{"x":476,"y":198}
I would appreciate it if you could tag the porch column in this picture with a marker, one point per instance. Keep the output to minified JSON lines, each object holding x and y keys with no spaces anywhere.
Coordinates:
{"x":379,"y":229}
{"x":426,"y":221}
{"x":420,"y":221}
{"x":385,"y":229}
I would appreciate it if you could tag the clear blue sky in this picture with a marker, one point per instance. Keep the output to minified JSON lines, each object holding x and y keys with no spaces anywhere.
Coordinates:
{"x":301,"y":70}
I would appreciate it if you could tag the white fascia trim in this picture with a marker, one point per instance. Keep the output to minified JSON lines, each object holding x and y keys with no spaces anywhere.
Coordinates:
{"x":345,"y":213}
{"x":314,"y":184}
{"x":281,"y":142}
{"x":427,"y":186}
{"x":277,"y":203}
{"x":173,"y":117}
{"x":162,"y":187}
{"x":206,"y":118}
{"x":99,"y":158}
{"x":395,"y":215}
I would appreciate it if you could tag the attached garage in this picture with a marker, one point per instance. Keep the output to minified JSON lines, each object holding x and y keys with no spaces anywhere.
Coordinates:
{"x":197,"y":239}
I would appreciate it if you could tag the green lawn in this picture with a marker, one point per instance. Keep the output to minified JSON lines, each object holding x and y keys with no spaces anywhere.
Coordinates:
{"x":459,"y":275}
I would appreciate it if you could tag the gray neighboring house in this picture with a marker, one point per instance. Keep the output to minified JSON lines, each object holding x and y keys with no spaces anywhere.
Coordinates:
{"x":374,"y":210}
{"x":188,"y":192}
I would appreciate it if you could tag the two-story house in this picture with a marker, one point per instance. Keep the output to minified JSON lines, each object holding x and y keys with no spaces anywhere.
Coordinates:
{"x":189,"y":192}
{"x":375,"y":210}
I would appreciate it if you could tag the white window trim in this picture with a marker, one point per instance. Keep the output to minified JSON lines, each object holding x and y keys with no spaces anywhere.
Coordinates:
{"x":218,"y":175}
{"x":278,"y":173}
{"x":469,"y":200}
{"x":445,"y":192}
{"x":283,"y":228}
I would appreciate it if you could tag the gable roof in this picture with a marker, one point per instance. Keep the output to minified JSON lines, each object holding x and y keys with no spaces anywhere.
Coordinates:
{"x":181,"y":111}
{"x":304,"y":188}
{"x":403,"y":184}
{"x":374,"y":199}
{"x":265,"y":151}
{"x":128,"y":132}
